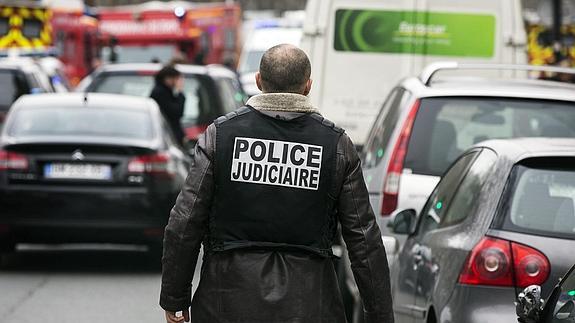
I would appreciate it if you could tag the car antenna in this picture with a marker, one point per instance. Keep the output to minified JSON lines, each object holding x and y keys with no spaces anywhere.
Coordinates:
{"x":85,"y":97}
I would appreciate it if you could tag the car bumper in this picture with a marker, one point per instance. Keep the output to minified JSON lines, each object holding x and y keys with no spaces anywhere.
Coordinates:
{"x":479,"y":304}
{"x":113,"y":215}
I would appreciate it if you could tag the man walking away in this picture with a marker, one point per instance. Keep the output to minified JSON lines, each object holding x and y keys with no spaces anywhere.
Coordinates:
{"x":268,"y":186}
{"x":167,"y":92}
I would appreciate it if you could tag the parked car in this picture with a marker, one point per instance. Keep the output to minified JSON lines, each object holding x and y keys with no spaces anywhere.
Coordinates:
{"x":19,"y":76}
{"x":98,"y":168}
{"x":211,"y":91}
{"x":559,"y":307}
{"x":501,"y":219}
{"x":426,"y":123}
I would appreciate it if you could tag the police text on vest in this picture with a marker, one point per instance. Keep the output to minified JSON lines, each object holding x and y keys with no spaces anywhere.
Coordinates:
{"x":279,"y":163}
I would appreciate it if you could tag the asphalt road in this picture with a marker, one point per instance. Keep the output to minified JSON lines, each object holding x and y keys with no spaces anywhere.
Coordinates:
{"x":73,"y":285}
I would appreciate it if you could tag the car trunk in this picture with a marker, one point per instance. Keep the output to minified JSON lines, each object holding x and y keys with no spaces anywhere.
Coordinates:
{"x":76,"y":180}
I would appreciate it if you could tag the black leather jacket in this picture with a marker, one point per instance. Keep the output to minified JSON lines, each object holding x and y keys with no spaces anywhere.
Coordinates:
{"x":265,"y":285}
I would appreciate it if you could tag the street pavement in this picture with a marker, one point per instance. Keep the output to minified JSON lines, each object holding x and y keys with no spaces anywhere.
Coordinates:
{"x":73,"y":285}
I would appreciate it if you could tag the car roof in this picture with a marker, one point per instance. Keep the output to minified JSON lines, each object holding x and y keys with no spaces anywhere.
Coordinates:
{"x":72,"y":100}
{"x":214,"y":69}
{"x":517,"y":149}
{"x":491,"y":87}
{"x":19,"y":63}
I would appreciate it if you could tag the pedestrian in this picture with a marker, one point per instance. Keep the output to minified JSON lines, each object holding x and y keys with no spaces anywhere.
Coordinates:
{"x":268,"y":186}
{"x":167,"y":93}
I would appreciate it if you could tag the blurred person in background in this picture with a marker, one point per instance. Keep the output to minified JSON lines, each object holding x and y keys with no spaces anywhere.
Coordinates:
{"x":168,"y":93}
{"x":268,"y":185}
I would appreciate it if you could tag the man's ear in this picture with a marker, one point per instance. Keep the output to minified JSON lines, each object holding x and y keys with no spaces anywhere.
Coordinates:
{"x":259,"y":81}
{"x":308,"y":87}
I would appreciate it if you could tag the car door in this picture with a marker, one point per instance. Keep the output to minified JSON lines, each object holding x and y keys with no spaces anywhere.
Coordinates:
{"x":413,"y":257}
{"x":440,"y":239}
{"x":560,"y":306}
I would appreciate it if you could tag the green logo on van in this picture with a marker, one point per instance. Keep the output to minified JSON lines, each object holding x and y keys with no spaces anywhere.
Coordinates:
{"x":412,"y":32}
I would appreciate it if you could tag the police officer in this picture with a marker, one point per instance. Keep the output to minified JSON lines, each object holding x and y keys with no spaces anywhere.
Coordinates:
{"x":269,"y":184}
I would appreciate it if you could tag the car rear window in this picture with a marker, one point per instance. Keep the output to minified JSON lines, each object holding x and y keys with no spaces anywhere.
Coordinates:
{"x":197,"y":94}
{"x":445,"y":127}
{"x":541,"y":200}
{"x":91,"y":122}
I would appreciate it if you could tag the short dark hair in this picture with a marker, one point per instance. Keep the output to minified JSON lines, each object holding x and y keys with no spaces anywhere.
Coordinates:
{"x":284,"y":68}
{"x":167,"y":71}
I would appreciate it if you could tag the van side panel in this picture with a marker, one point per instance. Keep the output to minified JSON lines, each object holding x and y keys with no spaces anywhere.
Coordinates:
{"x":351,"y":86}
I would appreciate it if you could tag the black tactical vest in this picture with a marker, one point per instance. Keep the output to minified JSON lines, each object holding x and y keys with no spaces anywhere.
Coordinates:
{"x":274,"y":186}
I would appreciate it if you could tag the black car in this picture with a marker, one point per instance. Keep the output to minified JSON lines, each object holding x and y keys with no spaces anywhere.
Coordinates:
{"x":99,"y":168}
{"x":210,"y":91}
{"x":19,"y":76}
{"x":502,"y":218}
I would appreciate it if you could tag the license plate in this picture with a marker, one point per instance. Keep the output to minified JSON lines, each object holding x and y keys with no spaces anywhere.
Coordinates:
{"x":78,"y":171}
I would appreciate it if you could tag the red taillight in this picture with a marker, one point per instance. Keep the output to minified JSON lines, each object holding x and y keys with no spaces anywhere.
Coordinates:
{"x":395,"y":167}
{"x":497,"y":262}
{"x":158,"y":164}
{"x":12,"y":161}
{"x":194,"y":132}
{"x":531,"y":266}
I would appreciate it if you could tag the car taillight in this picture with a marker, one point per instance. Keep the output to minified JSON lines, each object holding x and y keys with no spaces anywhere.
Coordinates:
{"x":498,"y":262}
{"x":157,"y":164}
{"x":12,"y":161}
{"x":531,"y":266}
{"x":194,"y":132}
{"x":395,"y":167}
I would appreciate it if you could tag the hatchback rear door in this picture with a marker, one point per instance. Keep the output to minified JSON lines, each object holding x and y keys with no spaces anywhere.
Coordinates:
{"x":538,"y":211}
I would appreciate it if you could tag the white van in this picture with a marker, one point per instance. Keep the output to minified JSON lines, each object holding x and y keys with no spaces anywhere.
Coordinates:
{"x":361,"y":48}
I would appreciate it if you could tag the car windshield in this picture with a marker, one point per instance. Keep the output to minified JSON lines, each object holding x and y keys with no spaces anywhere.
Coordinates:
{"x":140,"y":54}
{"x":445,"y":127}
{"x":542,"y":199}
{"x":197,"y":104}
{"x":90,"y":122}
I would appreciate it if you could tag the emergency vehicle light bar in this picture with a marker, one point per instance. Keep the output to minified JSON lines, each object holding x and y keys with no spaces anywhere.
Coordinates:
{"x":430,"y":70}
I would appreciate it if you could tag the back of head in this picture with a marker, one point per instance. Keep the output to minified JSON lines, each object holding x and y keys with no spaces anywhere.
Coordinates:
{"x":168,"y":71}
{"x":284,"y":68}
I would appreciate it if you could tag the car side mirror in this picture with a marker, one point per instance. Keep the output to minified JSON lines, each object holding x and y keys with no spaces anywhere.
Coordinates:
{"x":529,"y":305}
{"x":403,"y":222}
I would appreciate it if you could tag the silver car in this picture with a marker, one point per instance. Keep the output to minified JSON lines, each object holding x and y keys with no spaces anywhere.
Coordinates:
{"x":426,"y":123}
{"x":501,"y":219}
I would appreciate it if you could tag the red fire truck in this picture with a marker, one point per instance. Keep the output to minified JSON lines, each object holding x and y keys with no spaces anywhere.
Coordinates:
{"x":189,"y":32}
{"x":76,"y":42}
